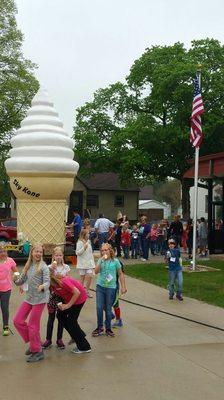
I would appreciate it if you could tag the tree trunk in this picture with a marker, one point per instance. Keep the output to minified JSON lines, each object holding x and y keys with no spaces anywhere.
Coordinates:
{"x":186,"y":206}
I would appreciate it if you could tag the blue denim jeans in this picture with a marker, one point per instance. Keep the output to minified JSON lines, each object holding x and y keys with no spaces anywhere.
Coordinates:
{"x":126,"y":251}
{"x":134,"y":248}
{"x":175,"y":277}
{"x":145,"y":248}
{"x":153,"y":247}
{"x":103,"y":237}
{"x":105,"y":298}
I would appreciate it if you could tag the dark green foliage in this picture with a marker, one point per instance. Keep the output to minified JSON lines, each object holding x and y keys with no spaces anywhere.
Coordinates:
{"x":140,"y":128}
{"x":17,"y":84}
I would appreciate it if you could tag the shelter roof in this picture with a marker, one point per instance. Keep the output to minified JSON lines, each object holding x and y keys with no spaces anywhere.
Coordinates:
{"x":210,"y":166}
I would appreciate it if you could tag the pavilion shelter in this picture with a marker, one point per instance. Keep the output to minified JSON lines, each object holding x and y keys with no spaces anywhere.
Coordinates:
{"x":211,"y":170}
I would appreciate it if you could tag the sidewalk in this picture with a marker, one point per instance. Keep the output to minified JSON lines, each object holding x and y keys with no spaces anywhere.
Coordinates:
{"x":153,"y":357}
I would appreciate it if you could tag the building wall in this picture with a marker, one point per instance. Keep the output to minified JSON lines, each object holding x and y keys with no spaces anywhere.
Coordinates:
{"x":202,"y":206}
{"x":152,"y":206}
{"x":156,"y":214}
{"x":106,"y":204}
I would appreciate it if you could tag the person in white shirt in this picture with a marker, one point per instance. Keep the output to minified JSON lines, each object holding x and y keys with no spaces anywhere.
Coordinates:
{"x":85,"y":260}
{"x":102,"y":226}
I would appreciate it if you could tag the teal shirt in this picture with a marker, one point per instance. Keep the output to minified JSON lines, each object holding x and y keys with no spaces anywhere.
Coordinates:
{"x":107,"y":276}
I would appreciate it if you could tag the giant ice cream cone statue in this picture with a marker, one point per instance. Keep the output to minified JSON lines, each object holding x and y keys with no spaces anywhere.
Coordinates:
{"x":41,"y":171}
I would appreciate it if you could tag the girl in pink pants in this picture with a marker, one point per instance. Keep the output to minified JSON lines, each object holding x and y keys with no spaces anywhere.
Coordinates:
{"x":36,"y":281}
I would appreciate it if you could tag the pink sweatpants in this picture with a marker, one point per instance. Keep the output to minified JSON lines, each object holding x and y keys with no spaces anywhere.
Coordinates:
{"x":29,"y":331}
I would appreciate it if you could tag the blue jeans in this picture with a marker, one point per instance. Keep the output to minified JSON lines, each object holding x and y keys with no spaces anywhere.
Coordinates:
{"x":175,"y":277}
{"x":145,"y":248}
{"x":105,"y":298}
{"x":126,"y":251}
{"x":134,"y":248}
{"x":153,"y":247}
{"x":103,"y":237}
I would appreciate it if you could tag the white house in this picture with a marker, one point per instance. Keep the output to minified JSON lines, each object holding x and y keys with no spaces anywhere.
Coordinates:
{"x":154,"y":209}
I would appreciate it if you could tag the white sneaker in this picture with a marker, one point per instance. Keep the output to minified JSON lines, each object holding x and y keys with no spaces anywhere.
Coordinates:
{"x":77,"y":351}
{"x":89,"y":294}
{"x":143,"y":259}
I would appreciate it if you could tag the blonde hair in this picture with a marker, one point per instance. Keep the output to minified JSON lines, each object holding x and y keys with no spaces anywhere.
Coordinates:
{"x":57,"y":248}
{"x":110,"y":248}
{"x":2,"y":247}
{"x":55,"y":280}
{"x":86,"y":222}
{"x":30,"y":260}
{"x":83,"y":233}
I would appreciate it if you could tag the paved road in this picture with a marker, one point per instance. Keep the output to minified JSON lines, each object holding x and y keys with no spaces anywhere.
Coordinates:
{"x":154,"y":356}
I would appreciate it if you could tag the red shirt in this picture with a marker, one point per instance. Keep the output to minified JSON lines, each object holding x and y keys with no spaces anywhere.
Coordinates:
{"x":125,"y":238}
{"x":66,"y":291}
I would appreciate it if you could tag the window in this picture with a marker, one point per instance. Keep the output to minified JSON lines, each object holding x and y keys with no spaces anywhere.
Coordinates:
{"x":92,"y":200}
{"x":119,"y":201}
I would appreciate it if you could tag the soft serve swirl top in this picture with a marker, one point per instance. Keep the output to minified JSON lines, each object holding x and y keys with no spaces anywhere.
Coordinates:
{"x":41,"y":145}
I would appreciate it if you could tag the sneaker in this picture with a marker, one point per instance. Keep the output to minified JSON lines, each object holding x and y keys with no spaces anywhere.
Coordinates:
{"x":5,"y":331}
{"x":110,"y":333}
{"x":34,"y":357}
{"x":179,"y":297}
{"x":89,"y":294}
{"x":97,"y":332}
{"x":118,"y":323}
{"x":143,"y":259}
{"x":170,"y":297}
{"x":77,"y":351}
{"x":60,"y":344}
{"x":28,"y":352}
{"x":47,"y":344}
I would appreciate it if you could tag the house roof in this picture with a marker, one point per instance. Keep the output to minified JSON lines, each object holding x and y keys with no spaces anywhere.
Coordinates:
{"x":152,"y":204}
{"x":106,"y":181}
{"x":146,"y":193}
{"x":211,"y":165}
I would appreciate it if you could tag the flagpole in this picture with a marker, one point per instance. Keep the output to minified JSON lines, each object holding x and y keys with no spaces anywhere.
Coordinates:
{"x":196,"y":166}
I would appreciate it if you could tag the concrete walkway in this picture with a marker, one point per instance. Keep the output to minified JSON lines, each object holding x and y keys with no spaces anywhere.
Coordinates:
{"x":154,"y":356}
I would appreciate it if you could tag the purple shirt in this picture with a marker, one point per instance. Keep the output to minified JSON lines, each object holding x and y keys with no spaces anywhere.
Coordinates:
{"x":146,"y":231}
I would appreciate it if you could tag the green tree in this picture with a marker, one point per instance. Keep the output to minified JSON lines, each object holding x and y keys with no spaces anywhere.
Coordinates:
{"x":17,"y":84}
{"x":149,"y":116}
{"x":5,"y":194}
{"x":168,"y":192}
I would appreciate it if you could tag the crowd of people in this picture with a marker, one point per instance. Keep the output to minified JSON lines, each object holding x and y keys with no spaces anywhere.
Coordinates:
{"x":142,"y":238}
{"x":65,"y":296}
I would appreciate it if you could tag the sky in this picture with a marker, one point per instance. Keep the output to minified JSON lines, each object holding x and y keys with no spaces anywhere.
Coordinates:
{"x":83,"y":45}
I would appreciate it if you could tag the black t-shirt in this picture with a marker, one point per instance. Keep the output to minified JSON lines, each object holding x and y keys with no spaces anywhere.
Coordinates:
{"x":176,"y":228}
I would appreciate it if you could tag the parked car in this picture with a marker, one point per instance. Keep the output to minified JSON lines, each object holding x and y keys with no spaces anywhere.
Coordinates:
{"x":8,"y":230}
{"x":92,"y":236}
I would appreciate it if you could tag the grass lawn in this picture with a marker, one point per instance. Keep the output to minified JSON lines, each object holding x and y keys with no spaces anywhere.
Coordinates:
{"x":204,"y":286}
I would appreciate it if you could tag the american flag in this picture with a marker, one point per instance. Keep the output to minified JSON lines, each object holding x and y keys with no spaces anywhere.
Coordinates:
{"x":196,"y":135}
